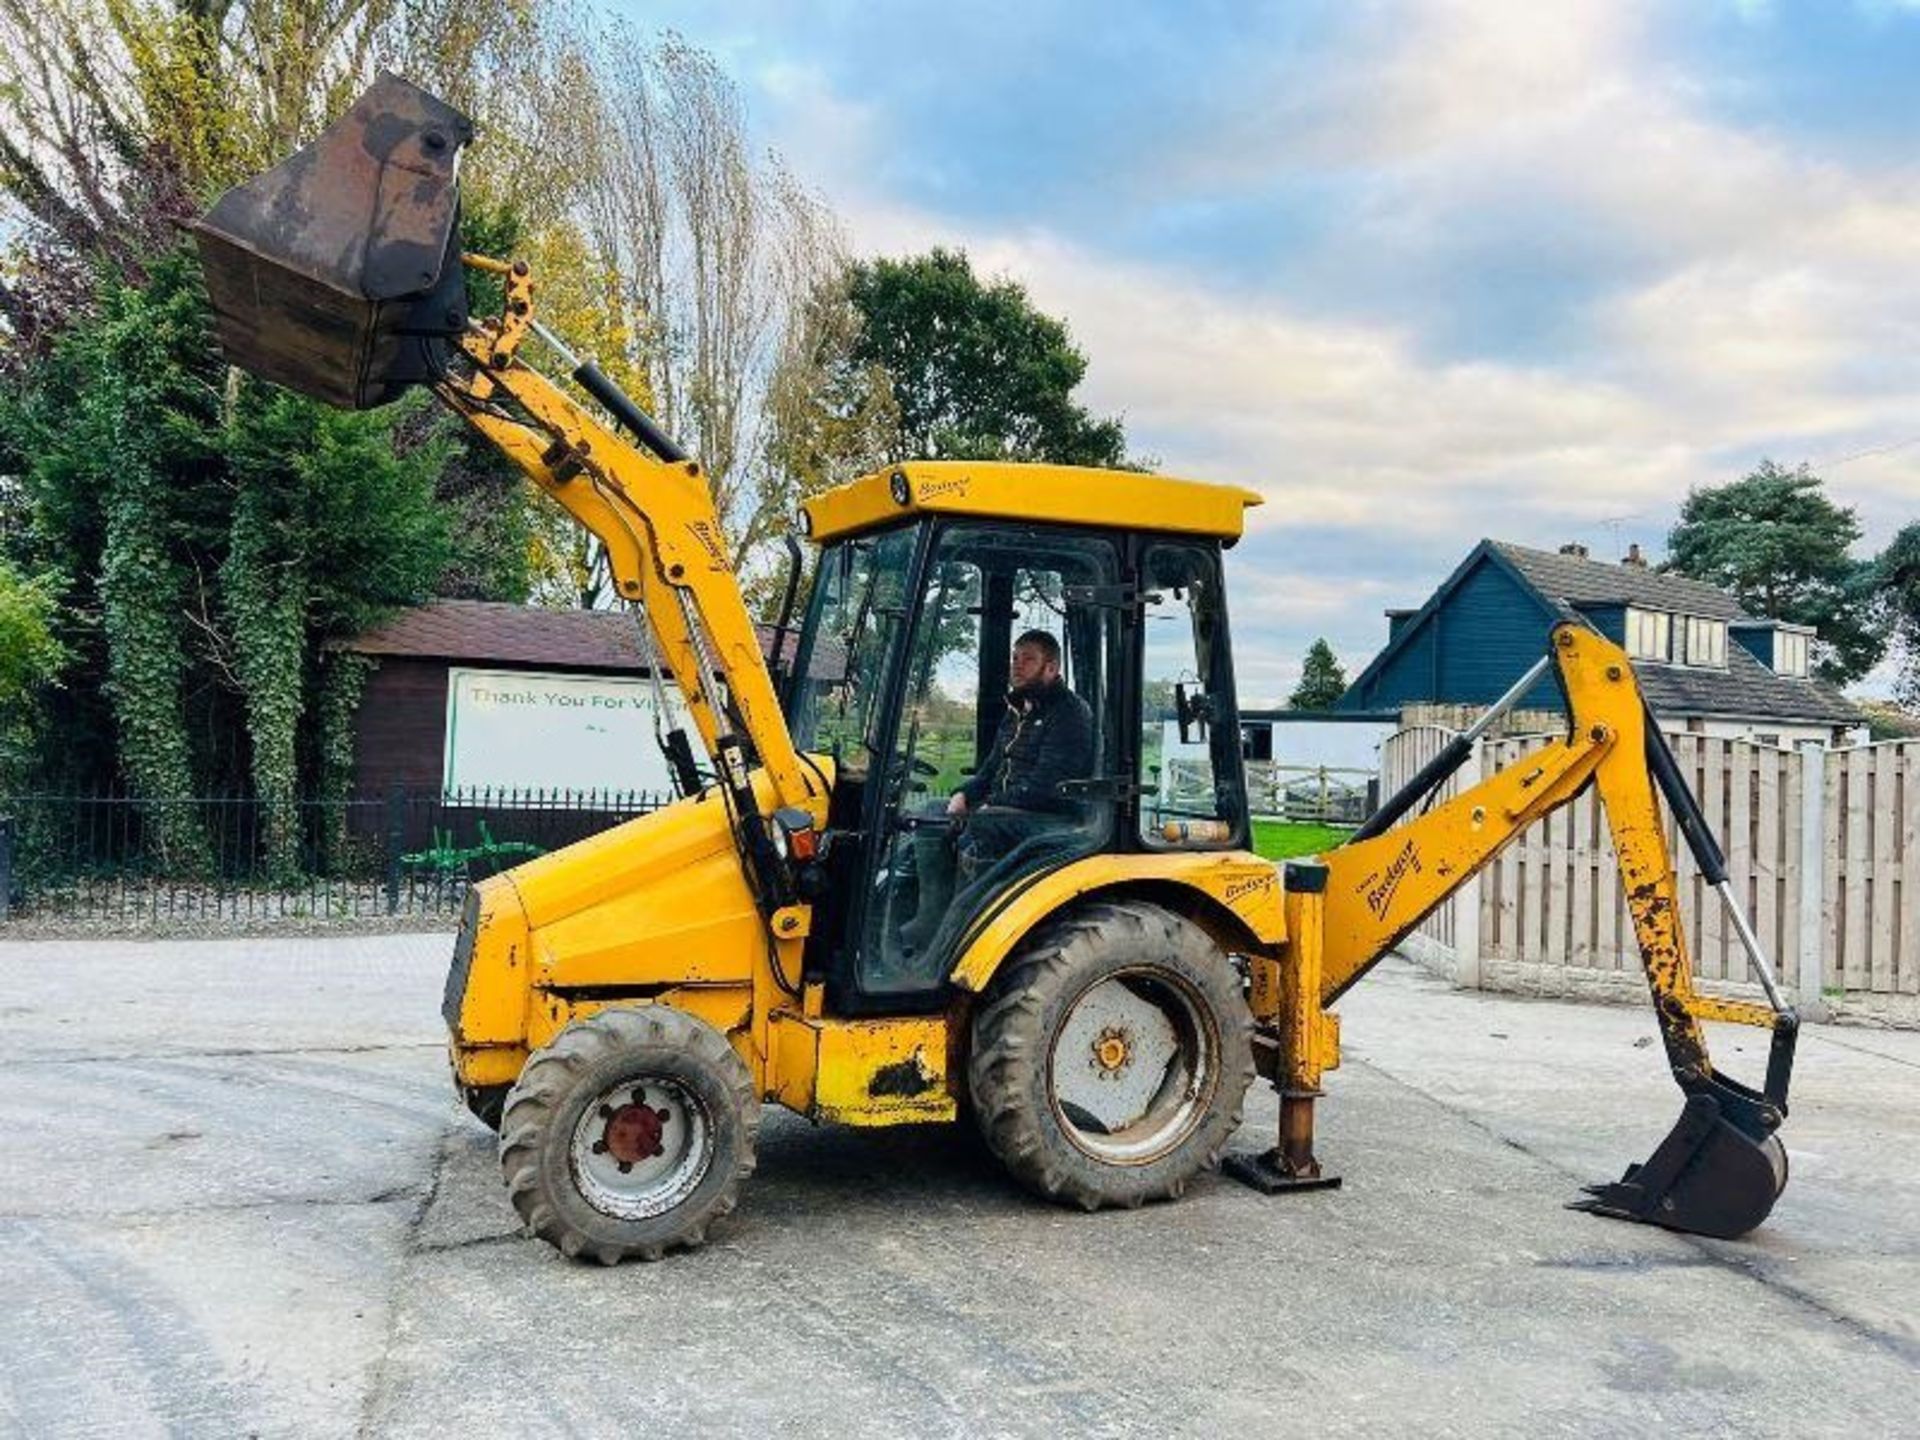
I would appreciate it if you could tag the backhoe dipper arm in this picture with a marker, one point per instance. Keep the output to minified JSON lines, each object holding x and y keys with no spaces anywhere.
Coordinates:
{"x":1373,"y":891}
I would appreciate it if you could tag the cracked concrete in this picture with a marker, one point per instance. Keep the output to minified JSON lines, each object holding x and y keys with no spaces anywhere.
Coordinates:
{"x":241,"y":1201}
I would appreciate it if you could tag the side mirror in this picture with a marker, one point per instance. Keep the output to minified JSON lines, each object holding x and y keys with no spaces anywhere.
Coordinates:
{"x":1191,"y":712}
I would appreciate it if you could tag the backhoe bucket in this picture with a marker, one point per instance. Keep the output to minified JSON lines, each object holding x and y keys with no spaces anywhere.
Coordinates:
{"x":337,"y":273}
{"x":1720,"y":1168}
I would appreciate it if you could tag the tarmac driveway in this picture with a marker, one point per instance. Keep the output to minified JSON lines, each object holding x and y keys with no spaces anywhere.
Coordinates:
{"x":240,"y":1200}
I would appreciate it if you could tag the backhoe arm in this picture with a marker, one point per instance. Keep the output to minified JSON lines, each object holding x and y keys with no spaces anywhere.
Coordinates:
{"x":1722,"y":1168}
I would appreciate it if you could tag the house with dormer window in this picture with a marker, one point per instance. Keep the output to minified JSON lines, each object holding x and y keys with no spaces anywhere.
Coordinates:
{"x":1704,"y":664}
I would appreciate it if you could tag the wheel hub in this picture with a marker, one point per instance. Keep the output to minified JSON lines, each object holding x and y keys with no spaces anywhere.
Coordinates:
{"x":642,"y":1147}
{"x":1113,"y":1050}
{"x":1132,"y":1067}
{"x":633,"y":1132}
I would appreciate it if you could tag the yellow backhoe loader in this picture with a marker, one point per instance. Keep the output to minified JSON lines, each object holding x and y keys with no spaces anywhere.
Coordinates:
{"x":981,"y":845}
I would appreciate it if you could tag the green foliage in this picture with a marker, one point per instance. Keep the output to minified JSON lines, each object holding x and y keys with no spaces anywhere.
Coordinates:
{"x":30,"y":658}
{"x":976,"y":371}
{"x":215,"y":534}
{"x":117,"y":441}
{"x":331,"y":529}
{"x":1322,"y":681}
{"x":343,"y":680}
{"x":1780,"y":546}
{"x":1897,"y":583}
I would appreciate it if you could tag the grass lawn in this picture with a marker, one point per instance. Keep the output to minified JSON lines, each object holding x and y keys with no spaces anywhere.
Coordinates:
{"x":1284,"y":839}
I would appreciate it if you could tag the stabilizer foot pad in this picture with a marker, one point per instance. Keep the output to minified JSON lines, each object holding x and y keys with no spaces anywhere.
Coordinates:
{"x":1264,"y":1173}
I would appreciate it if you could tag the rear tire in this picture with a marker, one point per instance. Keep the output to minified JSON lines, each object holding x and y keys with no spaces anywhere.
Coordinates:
{"x":1112,"y":1056}
{"x":629,"y":1134}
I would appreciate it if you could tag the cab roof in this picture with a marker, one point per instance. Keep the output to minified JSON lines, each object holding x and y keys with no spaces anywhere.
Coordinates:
{"x":1050,"y":494}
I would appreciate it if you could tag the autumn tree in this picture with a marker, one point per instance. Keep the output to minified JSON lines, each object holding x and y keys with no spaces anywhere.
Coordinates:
{"x":712,"y":252}
{"x":193,"y":523}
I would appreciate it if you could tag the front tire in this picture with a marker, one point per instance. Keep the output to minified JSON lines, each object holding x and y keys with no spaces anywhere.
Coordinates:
{"x":629,"y":1134}
{"x":1111,"y":1061}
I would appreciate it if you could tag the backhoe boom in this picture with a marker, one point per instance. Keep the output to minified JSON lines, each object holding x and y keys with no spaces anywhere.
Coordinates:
{"x":1367,"y":895}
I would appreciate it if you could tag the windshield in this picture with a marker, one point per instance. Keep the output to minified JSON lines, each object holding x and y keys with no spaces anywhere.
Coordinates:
{"x":859,"y":603}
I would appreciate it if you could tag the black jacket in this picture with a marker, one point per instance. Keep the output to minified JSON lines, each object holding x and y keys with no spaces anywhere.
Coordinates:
{"x":1045,"y":737}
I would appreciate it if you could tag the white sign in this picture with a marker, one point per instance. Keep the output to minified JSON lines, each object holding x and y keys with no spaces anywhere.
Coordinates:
{"x":525,"y":730}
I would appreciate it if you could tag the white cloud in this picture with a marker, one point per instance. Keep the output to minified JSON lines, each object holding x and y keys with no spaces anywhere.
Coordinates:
{"x":1776,"y":309}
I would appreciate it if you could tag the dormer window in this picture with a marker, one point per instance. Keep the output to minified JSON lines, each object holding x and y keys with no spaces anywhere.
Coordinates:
{"x":1649,"y":634}
{"x":1706,"y":642}
{"x":1790,"y":653}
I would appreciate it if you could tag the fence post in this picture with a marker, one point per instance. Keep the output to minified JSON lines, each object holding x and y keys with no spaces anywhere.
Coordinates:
{"x":396,"y":839}
{"x":1810,"y":971}
{"x":1466,"y":900}
{"x":6,"y":865}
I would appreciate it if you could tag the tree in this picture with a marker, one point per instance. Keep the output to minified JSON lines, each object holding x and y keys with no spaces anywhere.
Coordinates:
{"x":1322,"y":681}
{"x":975,"y":371}
{"x":1897,"y":580}
{"x":711,"y":256}
{"x":30,"y":657}
{"x":206,"y":536}
{"x":1776,"y":542}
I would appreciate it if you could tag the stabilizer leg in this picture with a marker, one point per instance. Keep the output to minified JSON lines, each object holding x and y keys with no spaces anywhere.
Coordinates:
{"x":1290,"y":1165}
{"x":1309,"y":1041}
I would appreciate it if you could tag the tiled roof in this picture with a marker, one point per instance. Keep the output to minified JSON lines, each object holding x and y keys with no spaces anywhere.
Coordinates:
{"x":513,"y":634}
{"x":494,"y":632}
{"x":1571,"y":580}
{"x":1746,"y":688}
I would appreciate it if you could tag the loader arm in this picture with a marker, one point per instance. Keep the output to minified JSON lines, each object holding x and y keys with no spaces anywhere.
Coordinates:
{"x":1721,"y":1169}
{"x":338,"y":273}
{"x":657,"y":521}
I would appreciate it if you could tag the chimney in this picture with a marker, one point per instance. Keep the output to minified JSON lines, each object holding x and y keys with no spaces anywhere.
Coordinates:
{"x":1634,"y":558}
{"x":1575,"y":549}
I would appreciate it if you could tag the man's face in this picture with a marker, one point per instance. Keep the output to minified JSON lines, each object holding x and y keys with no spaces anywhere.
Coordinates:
{"x":1029,"y":667}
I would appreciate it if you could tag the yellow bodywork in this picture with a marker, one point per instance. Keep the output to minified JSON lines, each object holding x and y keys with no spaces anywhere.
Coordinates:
{"x":660,"y":911}
{"x":1050,"y":494}
{"x":657,"y":911}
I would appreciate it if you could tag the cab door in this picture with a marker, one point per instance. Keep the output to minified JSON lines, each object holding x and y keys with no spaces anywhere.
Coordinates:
{"x":929,"y":875}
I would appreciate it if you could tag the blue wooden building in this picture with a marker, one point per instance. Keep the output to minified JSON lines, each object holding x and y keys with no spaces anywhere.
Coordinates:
{"x":1704,"y":664}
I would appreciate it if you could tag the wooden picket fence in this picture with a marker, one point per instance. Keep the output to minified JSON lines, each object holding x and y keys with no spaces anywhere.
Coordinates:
{"x":1822,"y":845}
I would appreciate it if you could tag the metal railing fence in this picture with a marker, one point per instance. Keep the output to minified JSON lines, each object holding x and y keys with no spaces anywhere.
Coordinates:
{"x":112,"y":859}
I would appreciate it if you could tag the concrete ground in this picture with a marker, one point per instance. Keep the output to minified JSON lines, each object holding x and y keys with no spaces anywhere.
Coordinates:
{"x":239,"y":1200}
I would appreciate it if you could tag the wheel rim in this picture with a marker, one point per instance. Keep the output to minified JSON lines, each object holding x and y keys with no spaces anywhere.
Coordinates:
{"x":641,"y":1148}
{"x":1133,"y":1066}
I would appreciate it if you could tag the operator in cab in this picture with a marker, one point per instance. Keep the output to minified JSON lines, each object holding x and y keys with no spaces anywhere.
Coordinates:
{"x":1045,"y":737}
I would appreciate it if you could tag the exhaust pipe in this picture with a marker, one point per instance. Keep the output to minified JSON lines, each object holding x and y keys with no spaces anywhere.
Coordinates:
{"x":337,"y":273}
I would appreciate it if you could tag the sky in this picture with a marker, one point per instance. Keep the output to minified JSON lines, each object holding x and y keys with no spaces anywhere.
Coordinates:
{"x":1419,"y":271}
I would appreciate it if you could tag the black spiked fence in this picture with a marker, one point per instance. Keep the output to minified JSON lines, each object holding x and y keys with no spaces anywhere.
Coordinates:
{"x":99,"y":857}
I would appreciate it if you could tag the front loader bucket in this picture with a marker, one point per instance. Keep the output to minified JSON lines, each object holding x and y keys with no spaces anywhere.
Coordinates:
{"x":337,"y":273}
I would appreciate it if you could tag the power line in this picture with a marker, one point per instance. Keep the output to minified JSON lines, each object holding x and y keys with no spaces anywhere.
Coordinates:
{"x":1866,"y":454}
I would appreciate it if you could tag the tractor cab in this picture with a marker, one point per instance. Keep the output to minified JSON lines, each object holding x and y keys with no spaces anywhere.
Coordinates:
{"x":930,"y":578}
